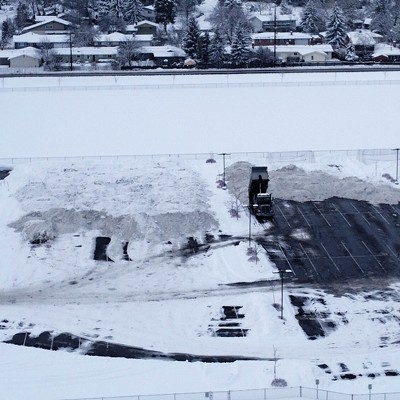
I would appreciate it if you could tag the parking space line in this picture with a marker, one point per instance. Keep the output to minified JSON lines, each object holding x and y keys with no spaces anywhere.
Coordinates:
{"x":348,"y":223}
{"x":362,"y":215}
{"x":333,"y":261}
{"x":392,"y":251}
{"x":373,"y":255}
{"x":323,"y":216}
{"x":287,"y":260}
{"x":395,"y":209}
{"x":309,"y":259}
{"x":375,"y":208}
{"x":283,"y":215}
{"x":352,"y":257}
{"x":305,"y":219}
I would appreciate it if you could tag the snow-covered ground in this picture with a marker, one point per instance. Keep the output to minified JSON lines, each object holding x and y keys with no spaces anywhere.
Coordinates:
{"x":168,"y":297}
{"x":198,"y":114}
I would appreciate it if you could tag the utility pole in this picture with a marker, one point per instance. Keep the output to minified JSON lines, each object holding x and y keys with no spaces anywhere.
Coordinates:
{"x":397,"y":165}
{"x":223,"y":161}
{"x":70,"y":50}
{"x":275,"y":28}
{"x":282,"y":273}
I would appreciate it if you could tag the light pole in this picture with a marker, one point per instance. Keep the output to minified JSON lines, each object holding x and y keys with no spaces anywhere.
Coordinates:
{"x":317,"y":383}
{"x":397,"y":165}
{"x":369,"y":390}
{"x":223,"y":161}
{"x":282,"y":273}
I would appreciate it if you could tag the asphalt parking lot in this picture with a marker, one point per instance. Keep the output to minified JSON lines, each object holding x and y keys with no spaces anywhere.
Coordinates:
{"x":334,"y":240}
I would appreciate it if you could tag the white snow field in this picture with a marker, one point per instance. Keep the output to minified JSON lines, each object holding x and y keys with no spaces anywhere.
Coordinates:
{"x":165,"y":298}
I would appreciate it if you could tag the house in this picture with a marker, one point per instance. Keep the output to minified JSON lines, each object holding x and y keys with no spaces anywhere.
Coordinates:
{"x":364,"y":42}
{"x":146,"y":28}
{"x":111,"y":39}
{"x":281,"y":38}
{"x":116,"y":38}
{"x":386,"y":53}
{"x":162,"y":56}
{"x":265,"y":23}
{"x":87,"y":54}
{"x":303,"y":53}
{"x":47,"y":26}
{"x":35,"y":40}
{"x":28,"y":57}
{"x":149,"y":13}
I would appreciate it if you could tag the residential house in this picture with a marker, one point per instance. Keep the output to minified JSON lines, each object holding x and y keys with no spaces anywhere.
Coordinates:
{"x":47,"y":26}
{"x":364,"y":42}
{"x":303,"y":53}
{"x":266,"y":23}
{"x":386,"y":53}
{"x":280,"y":39}
{"x":163,"y":56}
{"x":146,"y":28}
{"x":36,"y":40}
{"x":116,"y":38}
{"x":28,"y":57}
{"x":87,"y":54}
{"x":149,"y":13}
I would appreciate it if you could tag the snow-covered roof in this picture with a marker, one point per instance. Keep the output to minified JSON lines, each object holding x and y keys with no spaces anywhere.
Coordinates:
{"x":363,"y":37}
{"x":31,"y":37}
{"x":271,"y":17}
{"x":146,"y":22}
{"x":46,"y":21}
{"x":143,"y":38}
{"x":151,"y":8}
{"x":281,"y":35}
{"x":63,"y":51}
{"x":113,"y":37}
{"x":14,"y":53}
{"x":164,"y":51}
{"x":383,"y":49}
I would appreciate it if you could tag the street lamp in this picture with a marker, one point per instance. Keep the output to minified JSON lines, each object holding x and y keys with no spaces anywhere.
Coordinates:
{"x":223,"y":160}
{"x":282,"y":273}
{"x":397,"y":165}
{"x":369,"y":389}
{"x":317,"y":383}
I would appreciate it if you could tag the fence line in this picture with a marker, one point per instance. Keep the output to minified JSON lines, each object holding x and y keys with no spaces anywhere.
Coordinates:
{"x":366,"y":156}
{"x":219,"y":85}
{"x":259,"y":394}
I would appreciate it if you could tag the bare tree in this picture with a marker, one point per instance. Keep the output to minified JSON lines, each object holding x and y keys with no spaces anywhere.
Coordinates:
{"x":128,"y":51}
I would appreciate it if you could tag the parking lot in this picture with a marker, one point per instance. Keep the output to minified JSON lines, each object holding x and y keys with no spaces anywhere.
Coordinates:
{"x":335,"y":239}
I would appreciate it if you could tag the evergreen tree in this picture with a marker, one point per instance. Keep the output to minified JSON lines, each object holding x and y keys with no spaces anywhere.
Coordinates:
{"x":217,"y":50}
{"x":165,"y":12}
{"x":133,"y":11}
{"x":311,"y":19}
{"x":205,"y":49}
{"x":22,"y":16}
{"x":336,"y":28}
{"x":240,"y":47}
{"x":350,"y":52}
{"x":381,"y":17}
{"x":191,"y":39}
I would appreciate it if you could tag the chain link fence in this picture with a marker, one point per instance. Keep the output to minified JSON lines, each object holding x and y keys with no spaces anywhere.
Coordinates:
{"x":291,"y":393}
